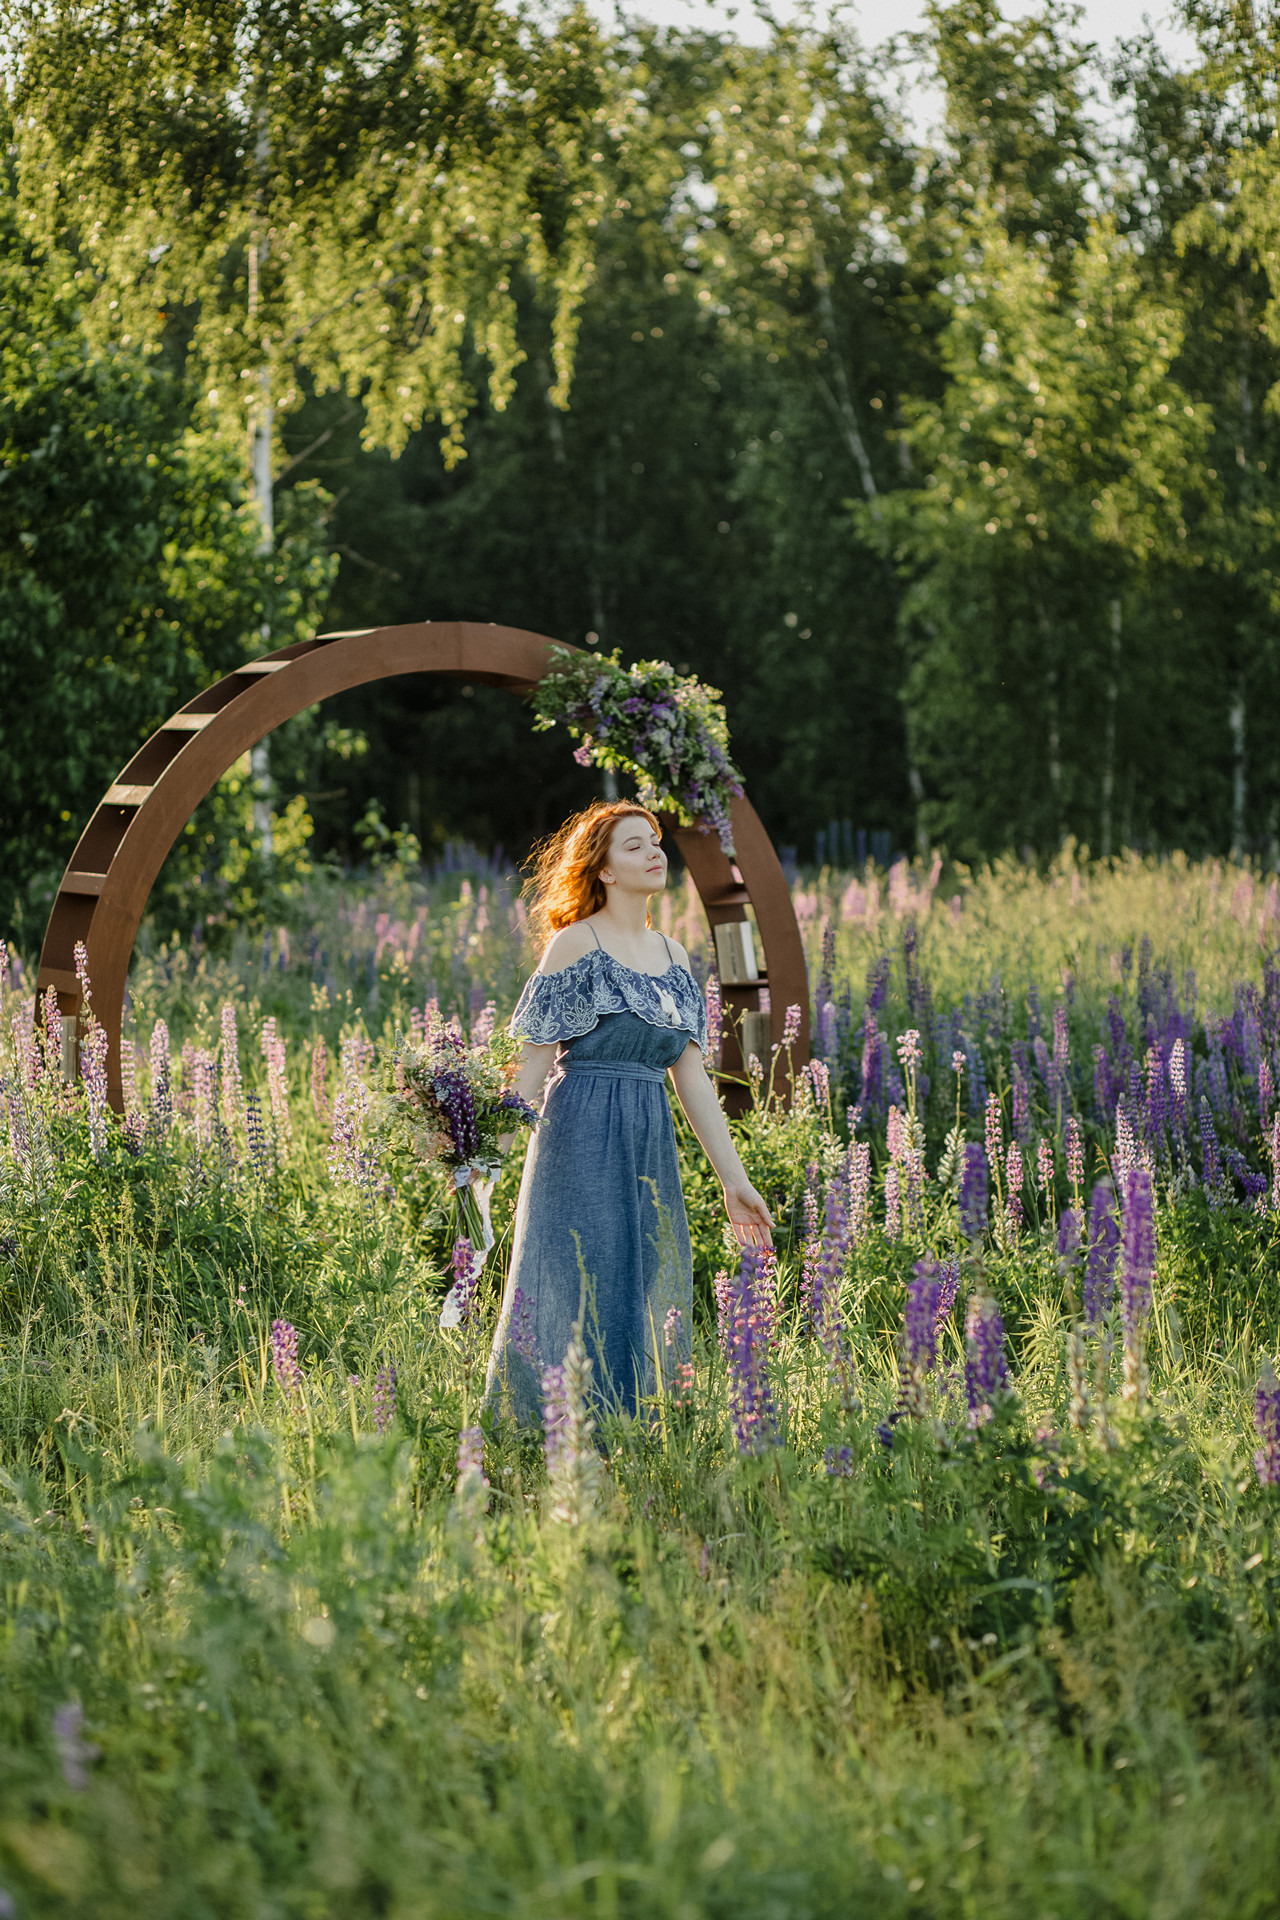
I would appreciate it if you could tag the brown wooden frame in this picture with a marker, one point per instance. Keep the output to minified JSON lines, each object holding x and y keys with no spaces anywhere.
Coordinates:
{"x":104,"y":891}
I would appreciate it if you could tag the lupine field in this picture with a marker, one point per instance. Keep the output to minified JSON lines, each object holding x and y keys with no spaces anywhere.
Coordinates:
{"x":944,"y":1582}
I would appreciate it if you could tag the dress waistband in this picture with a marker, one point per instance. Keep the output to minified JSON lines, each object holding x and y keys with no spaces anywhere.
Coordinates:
{"x":627,"y":1069}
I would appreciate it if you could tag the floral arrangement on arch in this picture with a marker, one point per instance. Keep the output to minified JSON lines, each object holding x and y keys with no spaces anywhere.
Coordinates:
{"x":666,"y":730}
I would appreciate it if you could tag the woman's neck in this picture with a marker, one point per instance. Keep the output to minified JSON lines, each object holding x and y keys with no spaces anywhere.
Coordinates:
{"x":626,"y":916}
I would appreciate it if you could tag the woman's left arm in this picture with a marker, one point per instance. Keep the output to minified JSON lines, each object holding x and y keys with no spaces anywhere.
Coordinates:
{"x":750,"y":1217}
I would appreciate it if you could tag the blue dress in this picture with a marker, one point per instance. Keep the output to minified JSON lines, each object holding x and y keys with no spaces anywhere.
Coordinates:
{"x":600,"y":1231}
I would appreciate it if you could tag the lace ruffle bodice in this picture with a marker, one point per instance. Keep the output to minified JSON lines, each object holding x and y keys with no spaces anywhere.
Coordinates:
{"x":567,"y":1004}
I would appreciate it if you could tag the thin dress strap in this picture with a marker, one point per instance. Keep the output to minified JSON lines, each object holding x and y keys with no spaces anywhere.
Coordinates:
{"x":595,"y":936}
{"x":667,"y":944}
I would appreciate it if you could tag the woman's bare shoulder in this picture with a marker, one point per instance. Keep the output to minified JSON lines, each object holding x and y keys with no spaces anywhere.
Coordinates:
{"x":563,"y":948}
{"x":680,"y":956}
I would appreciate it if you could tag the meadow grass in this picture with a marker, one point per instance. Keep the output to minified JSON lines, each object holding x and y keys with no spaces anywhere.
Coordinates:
{"x":264,"y":1654}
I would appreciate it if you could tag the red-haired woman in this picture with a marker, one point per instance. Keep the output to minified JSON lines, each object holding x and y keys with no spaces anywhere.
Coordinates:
{"x":600,"y":1234}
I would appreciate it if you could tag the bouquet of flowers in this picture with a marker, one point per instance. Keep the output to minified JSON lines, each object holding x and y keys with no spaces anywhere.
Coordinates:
{"x":452,"y":1102}
{"x":664,"y":729}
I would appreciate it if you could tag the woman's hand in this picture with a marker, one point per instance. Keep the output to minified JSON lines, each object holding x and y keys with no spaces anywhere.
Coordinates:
{"x":749,"y":1217}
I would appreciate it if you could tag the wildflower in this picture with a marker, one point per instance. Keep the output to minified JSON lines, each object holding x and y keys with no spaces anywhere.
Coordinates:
{"x":1137,"y":1261}
{"x":994,"y":1132}
{"x":909,"y":1050}
{"x":715,"y":1018}
{"x":273,"y":1052}
{"x":1275,"y":1164}
{"x":1266,"y":1409}
{"x":1044,"y":1168}
{"x":320,"y":1078}
{"x":1061,"y":1039}
{"x":751,"y":1401}
{"x":790,"y":1027}
{"x":839,"y":1462}
{"x":819,"y":1080}
{"x":1211,"y":1164}
{"x":1021,"y":1102}
{"x":859,"y":1170}
{"x":1013,"y":1190}
{"x":284,"y":1356}
{"x":384,"y":1394}
{"x":520,"y":1333}
{"x":918,"y":1341}
{"x":161,"y":1089}
{"x":949,"y":1286}
{"x":1077,"y":1380}
{"x":1100,"y":1262}
{"x":94,"y":1056}
{"x":1266,"y":1089}
{"x":460,"y":1300}
{"x":892,"y":1204}
{"x":232,"y":1091}
{"x":471,"y":1484}
{"x":1075,"y":1156}
{"x":260,"y":1155}
{"x":671,"y":1328}
{"x":986,"y":1375}
{"x":573,"y":1466}
{"x":75,"y":1754}
{"x":824,"y":1293}
{"x":958,"y":1064}
{"x":348,"y":1159}
{"x":973,"y":1192}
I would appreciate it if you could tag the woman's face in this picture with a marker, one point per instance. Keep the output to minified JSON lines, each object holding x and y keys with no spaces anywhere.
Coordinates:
{"x":636,"y":861}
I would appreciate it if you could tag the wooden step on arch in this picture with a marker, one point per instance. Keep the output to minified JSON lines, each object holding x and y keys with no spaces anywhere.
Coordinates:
{"x":104,"y":892}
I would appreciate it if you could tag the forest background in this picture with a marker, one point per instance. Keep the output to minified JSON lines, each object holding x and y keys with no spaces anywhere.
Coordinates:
{"x":954,"y":464}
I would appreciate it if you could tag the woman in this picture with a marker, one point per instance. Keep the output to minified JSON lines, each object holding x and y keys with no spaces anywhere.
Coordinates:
{"x":600,"y":1233}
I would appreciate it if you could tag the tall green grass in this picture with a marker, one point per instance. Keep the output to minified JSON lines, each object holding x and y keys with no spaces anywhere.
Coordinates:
{"x":260,"y":1659}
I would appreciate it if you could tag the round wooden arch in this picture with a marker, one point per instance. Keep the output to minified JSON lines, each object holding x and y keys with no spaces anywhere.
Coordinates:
{"x":104,"y":891}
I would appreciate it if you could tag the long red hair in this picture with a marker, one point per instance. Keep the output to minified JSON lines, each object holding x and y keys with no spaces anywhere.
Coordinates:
{"x":564,"y":885}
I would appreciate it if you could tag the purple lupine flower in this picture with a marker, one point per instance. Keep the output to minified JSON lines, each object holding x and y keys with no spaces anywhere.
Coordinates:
{"x":232,"y":1090}
{"x":859,"y":1168}
{"x":75,"y":1754}
{"x":384,"y":1394}
{"x":1020,"y":1118}
{"x":81,"y":962}
{"x":320,"y":1078}
{"x":453,"y":1092}
{"x":1266,"y":1412}
{"x":871,"y":1089}
{"x":284,"y":1356}
{"x":1061,"y":1039}
{"x":790,"y":1027}
{"x":1013,"y":1189}
{"x":52,"y":1035}
{"x":1212,"y":1158}
{"x":994,"y":1132}
{"x":260,"y":1155}
{"x":1275,"y":1164}
{"x":715,"y":1018}
{"x":1100,"y":1262}
{"x":161,"y":1083}
{"x":918,"y":1342}
{"x":462,"y":1294}
{"x":838,"y":1462}
{"x":1137,"y":1263}
{"x":948,"y":1287}
{"x":273,"y":1052}
{"x":892,"y":1203}
{"x":1070,"y":1231}
{"x":1075,"y":1156}
{"x":471,"y":1482}
{"x":1266,"y":1089}
{"x":973,"y":1192}
{"x":986,"y":1375}
{"x":824,"y":1294}
{"x":573,"y":1465}
{"x":520,"y":1334}
{"x":1044,"y":1168}
{"x":751,"y":1399}
{"x":94,"y":1060}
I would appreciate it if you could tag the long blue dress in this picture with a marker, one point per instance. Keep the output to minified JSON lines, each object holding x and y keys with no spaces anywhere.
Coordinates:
{"x":600,"y":1230}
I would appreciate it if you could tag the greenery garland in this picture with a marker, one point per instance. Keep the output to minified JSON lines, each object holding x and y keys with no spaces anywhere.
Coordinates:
{"x":665,"y":730}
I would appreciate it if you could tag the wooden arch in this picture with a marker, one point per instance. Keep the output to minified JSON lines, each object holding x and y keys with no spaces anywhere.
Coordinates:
{"x":104,"y":891}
